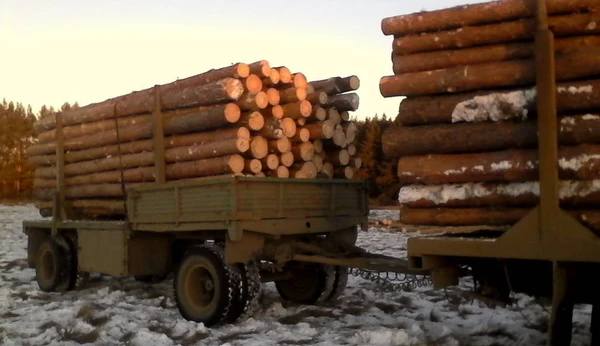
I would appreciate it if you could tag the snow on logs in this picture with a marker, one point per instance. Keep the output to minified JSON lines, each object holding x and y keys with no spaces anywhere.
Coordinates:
{"x":467,"y":144}
{"x":244,"y":119}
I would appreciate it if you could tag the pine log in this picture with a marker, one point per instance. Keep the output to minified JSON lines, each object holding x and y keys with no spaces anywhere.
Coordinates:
{"x":345,"y":115}
{"x":338,"y":158}
{"x":351,"y":150}
{"x":302,"y":135}
{"x":172,"y":97}
{"x":339,"y":137}
{"x":273,"y":78}
{"x":205,"y":119}
{"x":299,"y":80}
{"x":336,"y":85}
{"x":192,"y":139}
{"x":303,"y":151}
{"x":346,"y":172}
{"x":177,"y":154}
{"x":318,"y":114}
{"x":561,"y":26}
{"x":344,"y":102}
{"x":584,"y":63}
{"x":297,"y":109}
{"x":570,"y":97}
{"x":273,"y":96}
{"x":483,"y":216}
{"x":477,"y":14}
{"x":436,"y":60}
{"x":253,"y":120}
{"x":259,"y":147}
{"x":356,"y":162}
{"x":321,"y":130}
{"x":317,"y":98}
{"x":261,"y":68}
{"x":280,"y":172}
{"x":350,"y":129}
{"x":317,"y":160}
{"x":174,"y":171}
{"x":573,"y":194}
{"x":401,"y":141}
{"x":281,"y":145}
{"x":328,"y":170}
{"x":285,"y":76}
{"x":301,"y":121}
{"x":287,"y":158}
{"x":290,"y":95}
{"x":252,"y":84}
{"x":272,"y":129}
{"x":271,"y":161}
{"x":303,"y":170}
{"x":334,"y":116}
{"x":252,"y":165}
{"x":318,"y":144}
{"x":578,"y":162}
{"x":251,"y":102}
{"x":289,"y":127}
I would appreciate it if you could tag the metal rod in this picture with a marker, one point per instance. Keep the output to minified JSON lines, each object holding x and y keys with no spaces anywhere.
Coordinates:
{"x":158,"y":138}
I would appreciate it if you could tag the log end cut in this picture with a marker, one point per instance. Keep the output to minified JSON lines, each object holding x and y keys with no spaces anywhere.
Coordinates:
{"x":259,"y":147}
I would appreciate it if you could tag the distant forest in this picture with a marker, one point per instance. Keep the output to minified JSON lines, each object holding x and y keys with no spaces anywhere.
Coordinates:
{"x":16,"y":134}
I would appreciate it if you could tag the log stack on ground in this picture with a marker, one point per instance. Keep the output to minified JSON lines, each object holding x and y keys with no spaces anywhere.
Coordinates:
{"x":467,"y":138}
{"x":244,"y":119}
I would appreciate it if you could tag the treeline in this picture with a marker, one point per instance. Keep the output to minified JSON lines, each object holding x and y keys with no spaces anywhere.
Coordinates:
{"x":16,"y":134}
{"x":380,"y":174}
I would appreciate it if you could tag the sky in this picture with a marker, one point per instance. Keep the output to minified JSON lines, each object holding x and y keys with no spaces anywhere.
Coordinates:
{"x":91,"y":50}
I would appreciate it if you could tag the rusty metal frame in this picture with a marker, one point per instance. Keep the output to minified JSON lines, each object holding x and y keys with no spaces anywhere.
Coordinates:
{"x":546,"y":232}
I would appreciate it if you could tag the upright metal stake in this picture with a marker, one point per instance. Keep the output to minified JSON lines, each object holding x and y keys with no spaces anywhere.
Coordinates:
{"x":158,"y":138}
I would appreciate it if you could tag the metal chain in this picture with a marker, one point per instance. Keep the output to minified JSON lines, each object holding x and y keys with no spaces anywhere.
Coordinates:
{"x":392,"y":282}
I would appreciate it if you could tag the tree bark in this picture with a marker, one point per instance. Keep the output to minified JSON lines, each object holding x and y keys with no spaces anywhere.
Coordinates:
{"x":173,"y":96}
{"x":211,"y":118}
{"x":482,"y":137}
{"x":477,"y":14}
{"x":253,"y":120}
{"x":578,"y":162}
{"x":321,"y":130}
{"x":573,"y":194}
{"x":253,"y":102}
{"x":192,"y":139}
{"x":521,"y":30}
{"x":291,"y":95}
{"x":298,"y":109}
{"x":483,"y":216}
{"x":344,"y":102}
{"x":338,"y":157}
{"x":583,"y":63}
{"x":336,"y":85}
{"x":88,"y":209}
{"x":272,"y":129}
{"x":443,"y":59}
{"x":570,"y":97}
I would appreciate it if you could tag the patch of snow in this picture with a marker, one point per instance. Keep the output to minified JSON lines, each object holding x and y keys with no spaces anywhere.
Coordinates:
{"x":588,"y":89}
{"x":501,"y":166}
{"x":495,"y":106}
{"x":590,"y":117}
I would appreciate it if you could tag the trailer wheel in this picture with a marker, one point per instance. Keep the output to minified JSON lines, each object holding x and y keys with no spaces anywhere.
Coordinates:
{"x":340,"y":283}
{"x":53,"y":268}
{"x":204,"y":286}
{"x":247,"y":299}
{"x":307,"y":284}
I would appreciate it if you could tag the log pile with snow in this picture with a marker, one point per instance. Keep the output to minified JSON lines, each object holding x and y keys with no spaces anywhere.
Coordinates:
{"x":467,"y":141}
{"x":243,"y":119}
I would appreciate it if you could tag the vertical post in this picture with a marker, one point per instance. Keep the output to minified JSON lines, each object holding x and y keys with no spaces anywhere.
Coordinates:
{"x":158,"y":138}
{"x":60,"y":168}
{"x":561,"y":322}
{"x":547,"y":127}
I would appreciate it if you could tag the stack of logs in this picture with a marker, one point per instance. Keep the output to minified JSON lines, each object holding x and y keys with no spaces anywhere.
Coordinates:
{"x":467,"y":140}
{"x":243,"y":119}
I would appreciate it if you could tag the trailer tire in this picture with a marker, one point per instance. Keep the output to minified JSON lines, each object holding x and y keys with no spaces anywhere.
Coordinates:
{"x":250,"y":286}
{"x":307,"y":284}
{"x":341,"y":281}
{"x":53,"y":269}
{"x":204,"y":286}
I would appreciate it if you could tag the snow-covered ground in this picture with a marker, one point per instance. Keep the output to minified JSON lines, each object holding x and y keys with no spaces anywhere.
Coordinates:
{"x":109,"y":311}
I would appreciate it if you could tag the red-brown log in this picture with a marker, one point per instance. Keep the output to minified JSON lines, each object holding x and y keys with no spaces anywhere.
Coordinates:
{"x":291,"y":95}
{"x":321,"y":130}
{"x":584,"y":63}
{"x":304,"y":170}
{"x":580,"y":162}
{"x":303,"y":151}
{"x":283,"y":172}
{"x":573,"y":194}
{"x":436,"y":60}
{"x":273,"y":96}
{"x":302,"y":135}
{"x":259,"y":147}
{"x":273,"y":78}
{"x":172,"y":97}
{"x":272,"y":129}
{"x":250,"y":102}
{"x":252,"y":84}
{"x":480,"y":137}
{"x":297,"y":109}
{"x":334,"y":116}
{"x":344,"y":102}
{"x":285,"y":76}
{"x":317,"y":98}
{"x":261,"y":68}
{"x":253,"y":120}
{"x":252,"y":165}
{"x":271,"y":161}
{"x":336,"y":85}
{"x":205,"y":119}
{"x":338,"y":157}
{"x":561,"y":26}
{"x":287,"y":158}
{"x":477,"y":14}
{"x":192,"y":139}
{"x":281,"y":145}
{"x":571,"y":97}
{"x":142,"y":159}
